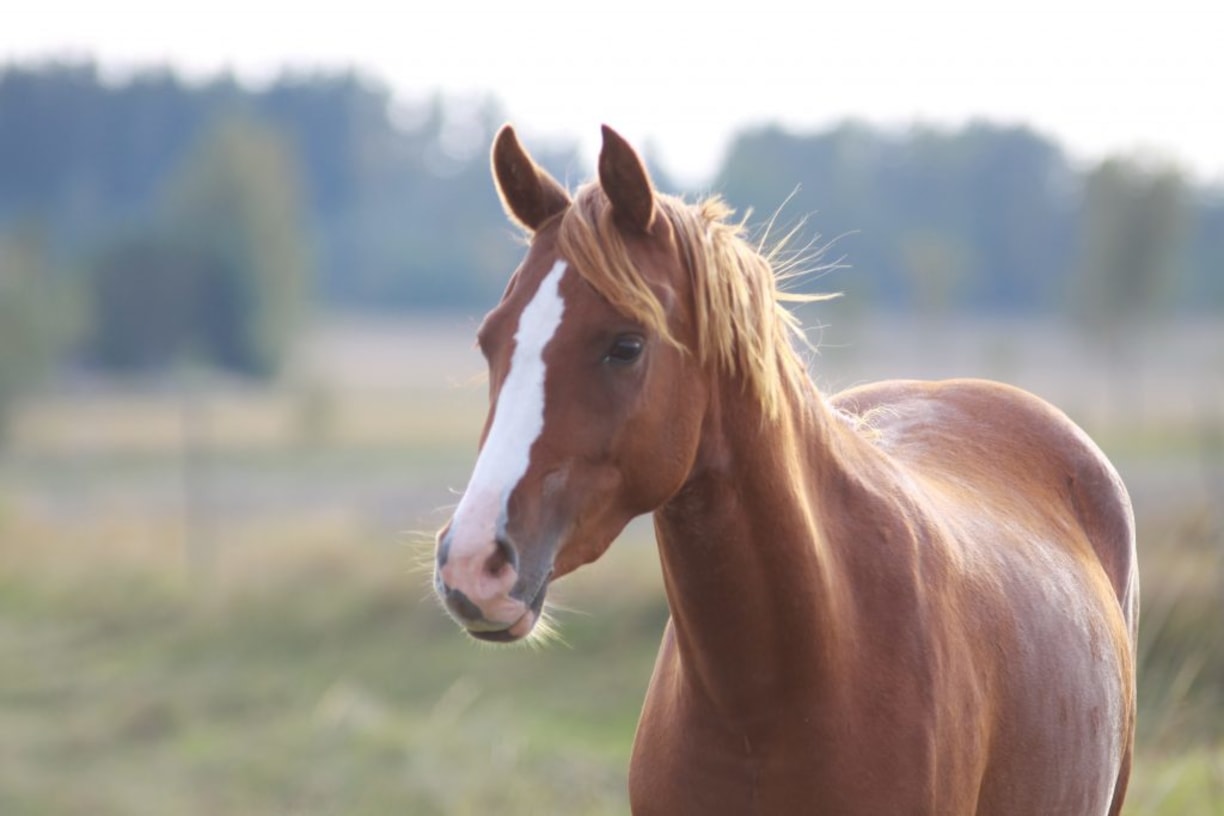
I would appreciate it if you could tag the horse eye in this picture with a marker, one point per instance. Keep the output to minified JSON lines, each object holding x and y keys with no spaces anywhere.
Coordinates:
{"x":625,"y":349}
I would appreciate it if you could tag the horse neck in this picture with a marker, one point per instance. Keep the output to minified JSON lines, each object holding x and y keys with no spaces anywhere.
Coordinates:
{"x":750,"y":576}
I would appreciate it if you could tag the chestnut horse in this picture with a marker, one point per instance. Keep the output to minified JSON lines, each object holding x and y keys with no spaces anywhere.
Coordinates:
{"x":910,"y":597}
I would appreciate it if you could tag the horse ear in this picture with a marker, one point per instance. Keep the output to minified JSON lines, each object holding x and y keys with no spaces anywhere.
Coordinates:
{"x":626,"y":183}
{"x":529,"y":194}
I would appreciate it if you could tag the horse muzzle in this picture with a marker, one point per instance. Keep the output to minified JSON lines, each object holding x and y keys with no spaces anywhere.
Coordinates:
{"x":483,"y":590}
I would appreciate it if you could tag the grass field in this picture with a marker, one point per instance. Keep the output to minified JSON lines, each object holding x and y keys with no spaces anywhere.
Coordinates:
{"x":211,"y":600}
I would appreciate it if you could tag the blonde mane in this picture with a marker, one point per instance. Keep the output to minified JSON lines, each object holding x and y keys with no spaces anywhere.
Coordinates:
{"x":742,"y":327}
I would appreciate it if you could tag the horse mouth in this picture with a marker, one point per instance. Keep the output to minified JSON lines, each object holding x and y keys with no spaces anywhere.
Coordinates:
{"x":521,"y":627}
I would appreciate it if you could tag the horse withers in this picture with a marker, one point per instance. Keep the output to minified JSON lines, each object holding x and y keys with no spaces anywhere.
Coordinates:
{"x":910,"y":597}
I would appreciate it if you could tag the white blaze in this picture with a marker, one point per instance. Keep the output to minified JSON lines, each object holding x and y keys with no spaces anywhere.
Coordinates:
{"x":518,"y":419}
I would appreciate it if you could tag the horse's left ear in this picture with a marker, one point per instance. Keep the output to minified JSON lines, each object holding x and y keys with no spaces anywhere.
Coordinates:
{"x":530,"y":195}
{"x":625,"y":182}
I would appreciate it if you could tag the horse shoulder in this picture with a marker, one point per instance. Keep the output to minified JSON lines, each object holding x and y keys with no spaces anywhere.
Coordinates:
{"x":1034,"y":520}
{"x":1009,"y":447}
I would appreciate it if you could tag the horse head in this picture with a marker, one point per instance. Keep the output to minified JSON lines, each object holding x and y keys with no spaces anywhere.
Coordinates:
{"x":595,"y":396}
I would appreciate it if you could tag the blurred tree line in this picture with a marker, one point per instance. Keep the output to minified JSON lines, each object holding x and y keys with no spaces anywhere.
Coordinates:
{"x":991,"y":219}
{"x":200,"y":221}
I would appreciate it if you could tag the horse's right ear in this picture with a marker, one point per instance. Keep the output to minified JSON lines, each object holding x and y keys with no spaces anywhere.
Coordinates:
{"x":529,"y":194}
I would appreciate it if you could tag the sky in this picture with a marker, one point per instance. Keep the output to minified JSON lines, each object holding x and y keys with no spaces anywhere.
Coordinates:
{"x":680,"y":78}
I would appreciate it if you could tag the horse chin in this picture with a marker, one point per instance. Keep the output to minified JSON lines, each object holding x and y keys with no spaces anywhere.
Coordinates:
{"x":521,"y":628}
{"x":517,"y":631}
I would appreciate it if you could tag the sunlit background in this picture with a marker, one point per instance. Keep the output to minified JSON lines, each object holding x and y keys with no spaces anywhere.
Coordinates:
{"x":243,"y":250}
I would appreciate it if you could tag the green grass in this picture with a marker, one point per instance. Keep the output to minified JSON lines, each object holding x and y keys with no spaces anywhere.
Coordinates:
{"x":1188,"y":783}
{"x":306,"y":675}
{"x":307,"y":670}
{"x":311,"y":681}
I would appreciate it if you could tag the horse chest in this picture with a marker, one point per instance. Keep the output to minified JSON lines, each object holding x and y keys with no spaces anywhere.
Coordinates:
{"x":686,"y":768}
{"x":875,"y":747}
{"x":781,"y":757}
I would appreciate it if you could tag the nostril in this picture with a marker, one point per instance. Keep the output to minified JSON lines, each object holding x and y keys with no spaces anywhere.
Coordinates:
{"x":503,"y":555}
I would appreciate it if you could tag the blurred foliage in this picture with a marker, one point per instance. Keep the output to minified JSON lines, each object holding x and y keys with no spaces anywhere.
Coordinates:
{"x":397,"y":199}
{"x":987,"y":218}
{"x":234,"y":206}
{"x":222,"y":278}
{"x":34,"y":320}
{"x":934,"y":265}
{"x":141,"y":302}
{"x":996,"y":200}
{"x":1206,"y":262}
{"x":1135,"y":222}
{"x":395,"y":195}
{"x":204,"y":219}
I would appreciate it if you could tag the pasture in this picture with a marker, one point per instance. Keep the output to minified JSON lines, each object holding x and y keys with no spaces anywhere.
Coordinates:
{"x":212,"y":597}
